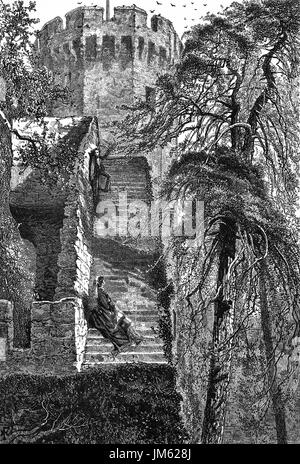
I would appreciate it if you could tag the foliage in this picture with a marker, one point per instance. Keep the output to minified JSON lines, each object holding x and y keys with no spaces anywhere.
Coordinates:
{"x":54,"y":154}
{"x":159,"y":281}
{"x":138,"y":405}
{"x":31,"y":89}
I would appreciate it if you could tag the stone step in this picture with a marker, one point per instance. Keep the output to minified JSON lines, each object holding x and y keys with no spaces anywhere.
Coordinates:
{"x":102,"y":342}
{"x":140,"y":297}
{"x":130,"y":357}
{"x":111,"y":271}
{"x":135,"y":193}
{"x":140,"y":316}
{"x":125,"y":184}
{"x":106,"y":349}
{"x":128,"y":170}
{"x":147,"y":334}
{"x":126,"y":306}
{"x":154,"y":319}
{"x":128,"y":267}
{"x":146,"y":312}
{"x":143,"y":329}
{"x":94,"y":365}
{"x":116,"y":278}
{"x":115,"y":287}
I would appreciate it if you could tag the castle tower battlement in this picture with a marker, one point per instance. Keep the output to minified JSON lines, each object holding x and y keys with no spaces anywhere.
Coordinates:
{"x":106,"y":63}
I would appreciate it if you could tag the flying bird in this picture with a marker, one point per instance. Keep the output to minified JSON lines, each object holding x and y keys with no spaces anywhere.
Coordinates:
{"x":152,"y":11}
{"x":172,"y":4}
{"x":159,"y":3}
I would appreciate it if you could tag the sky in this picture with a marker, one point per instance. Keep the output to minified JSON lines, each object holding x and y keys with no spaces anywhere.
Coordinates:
{"x":184,"y":14}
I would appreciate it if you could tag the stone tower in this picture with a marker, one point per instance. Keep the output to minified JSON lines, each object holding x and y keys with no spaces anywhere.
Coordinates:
{"x":107,"y":63}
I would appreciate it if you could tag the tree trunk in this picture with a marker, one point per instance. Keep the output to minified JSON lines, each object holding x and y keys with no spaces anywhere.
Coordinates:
{"x":5,"y":171}
{"x":220,"y":365}
{"x":274,"y":388}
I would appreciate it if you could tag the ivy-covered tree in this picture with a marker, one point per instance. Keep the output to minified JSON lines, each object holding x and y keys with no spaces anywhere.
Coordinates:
{"x":231,"y":105}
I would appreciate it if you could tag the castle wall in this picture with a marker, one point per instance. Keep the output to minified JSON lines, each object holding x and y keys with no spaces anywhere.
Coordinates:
{"x":58,"y":334}
{"x":76,"y":235}
{"x":58,"y":338}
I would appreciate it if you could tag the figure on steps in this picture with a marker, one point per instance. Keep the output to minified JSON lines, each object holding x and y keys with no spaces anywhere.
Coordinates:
{"x":112,"y":323}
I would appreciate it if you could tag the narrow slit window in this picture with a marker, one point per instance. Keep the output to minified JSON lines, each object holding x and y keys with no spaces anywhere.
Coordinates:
{"x":162,"y":56}
{"x":126,"y":53}
{"x":141,"y":47}
{"x":151,"y":52}
{"x":91,"y":48}
{"x":108,"y":51}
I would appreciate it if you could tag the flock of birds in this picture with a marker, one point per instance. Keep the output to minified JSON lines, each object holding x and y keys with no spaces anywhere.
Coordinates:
{"x":202,"y":8}
{"x":192,"y":9}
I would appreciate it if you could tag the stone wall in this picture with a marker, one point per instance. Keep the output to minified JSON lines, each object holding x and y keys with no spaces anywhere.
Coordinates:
{"x":58,"y":338}
{"x":75,"y":258}
{"x":58,"y":334}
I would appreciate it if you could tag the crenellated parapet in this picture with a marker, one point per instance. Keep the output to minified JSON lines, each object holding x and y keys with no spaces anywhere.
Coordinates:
{"x":77,"y":18}
{"x":106,"y":63}
{"x":131,"y":16}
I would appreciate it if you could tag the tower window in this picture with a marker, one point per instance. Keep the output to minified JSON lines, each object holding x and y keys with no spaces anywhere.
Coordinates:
{"x":108,"y":51}
{"x":162,"y":56}
{"x":126,"y":53}
{"x":141,"y":47}
{"x":175,"y":45}
{"x":154,"y":23}
{"x":151,"y":52}
{"x":91,"y":47}
{"x":77,"y":47}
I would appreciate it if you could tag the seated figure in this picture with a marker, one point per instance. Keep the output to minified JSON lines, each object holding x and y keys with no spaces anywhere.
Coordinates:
{"x":112,"y":323}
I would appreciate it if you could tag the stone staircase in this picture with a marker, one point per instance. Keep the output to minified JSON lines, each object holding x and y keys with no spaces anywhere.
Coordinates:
{"x":130,"y":176}
{"x":125,"y":264}
{"x":126,"y":285}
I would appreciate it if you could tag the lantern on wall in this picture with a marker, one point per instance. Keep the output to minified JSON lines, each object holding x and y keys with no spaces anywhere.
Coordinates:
{"x":99,"y":178}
